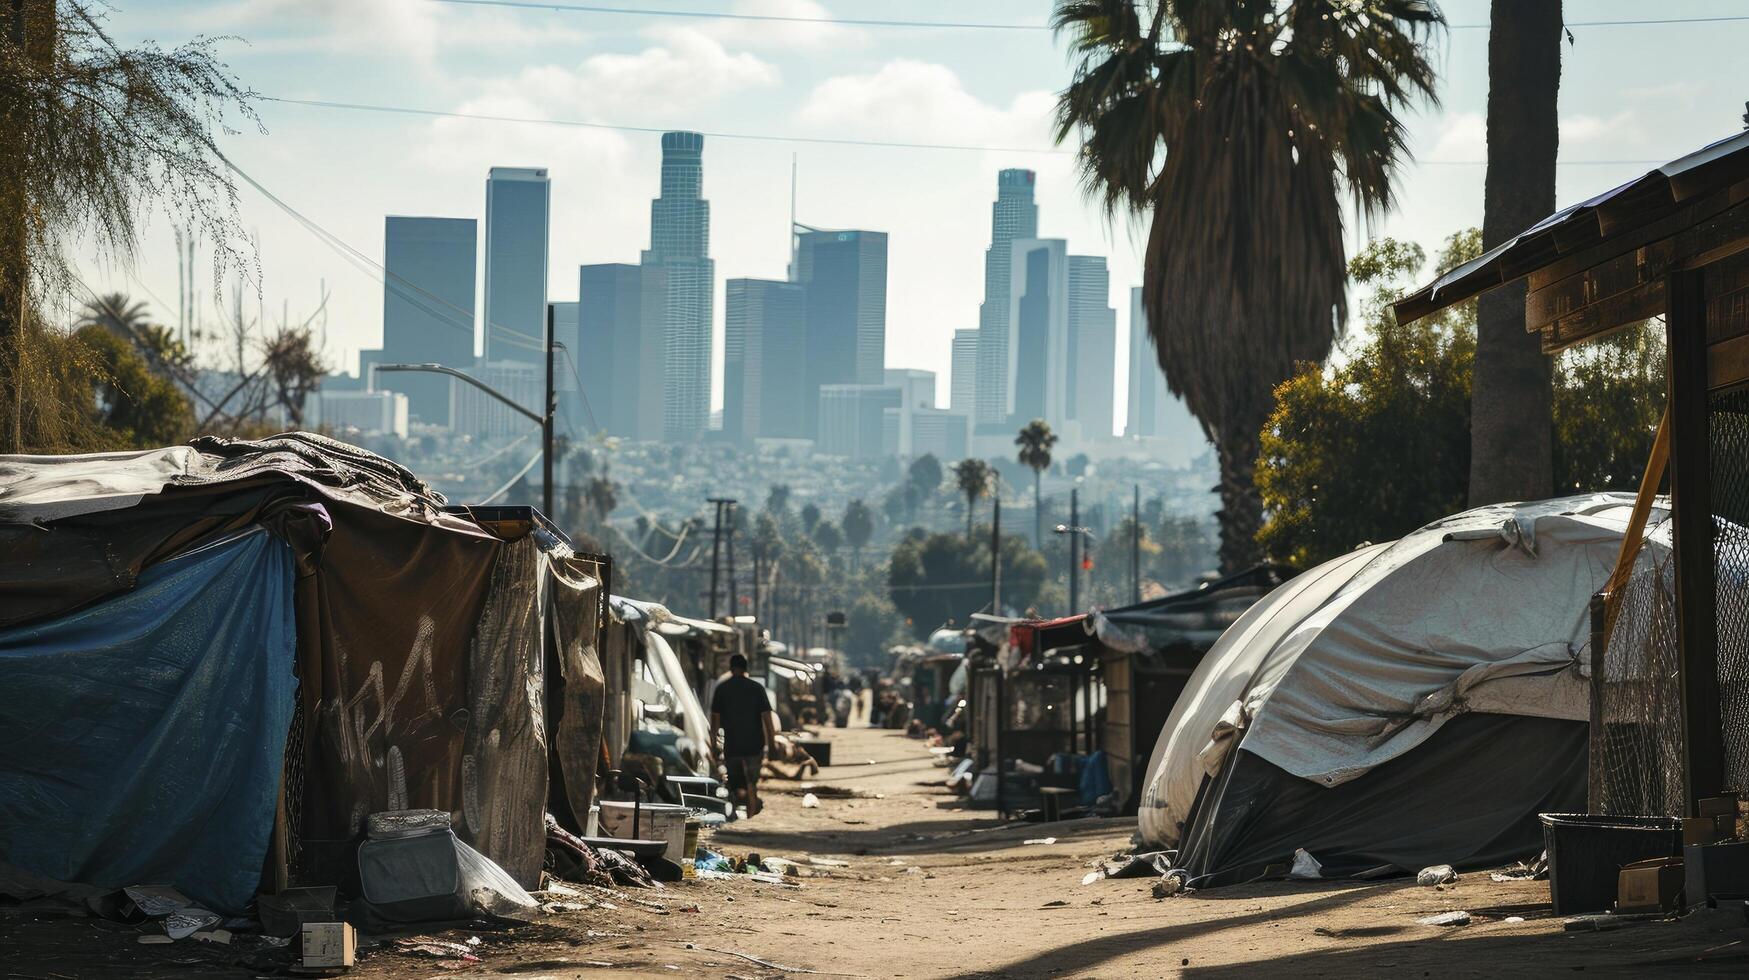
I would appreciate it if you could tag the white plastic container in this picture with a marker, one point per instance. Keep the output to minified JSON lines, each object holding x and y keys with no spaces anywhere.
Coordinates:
{"x":656,"y":821}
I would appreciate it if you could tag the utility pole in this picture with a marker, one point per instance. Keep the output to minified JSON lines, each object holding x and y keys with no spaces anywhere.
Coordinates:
{"x":1074,"y":550}
{"x":716,"y":549}
{"x":996,"y":557}
{"x":734,"y":593}
{"x":1136,"y":545}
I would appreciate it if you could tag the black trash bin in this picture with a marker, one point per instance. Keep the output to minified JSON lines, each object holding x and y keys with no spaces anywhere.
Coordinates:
{"x":1587,"y":851}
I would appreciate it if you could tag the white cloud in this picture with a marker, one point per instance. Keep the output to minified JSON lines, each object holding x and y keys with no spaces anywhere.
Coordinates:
{"x":821,"y":38}
{"x":917,"y":101}
{"x":690,"y":68}
{"x":414,"y":29}
{"x":1462,"y":136}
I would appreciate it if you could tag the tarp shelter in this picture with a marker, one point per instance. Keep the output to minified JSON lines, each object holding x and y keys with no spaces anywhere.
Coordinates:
{"x":1403,"y":705}
{"x":1671,"y":243}
{"x":1147,"y":653}
{"x":307,"y":637}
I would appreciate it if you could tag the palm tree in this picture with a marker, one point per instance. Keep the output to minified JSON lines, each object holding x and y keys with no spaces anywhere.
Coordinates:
{"x":1512,"y":397}
{"x":858,"y":526}
{"x":1035,"y":442}
{"x":1266,"y":111}
{"x":827,"y":536}
{"x":974,"y":478}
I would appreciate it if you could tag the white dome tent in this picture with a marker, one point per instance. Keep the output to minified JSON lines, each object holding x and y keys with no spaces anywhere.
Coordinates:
{"x":1403,"y":705}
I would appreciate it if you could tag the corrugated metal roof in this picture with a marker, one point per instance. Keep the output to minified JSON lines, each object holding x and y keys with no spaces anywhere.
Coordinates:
{"x":1644,"y":199}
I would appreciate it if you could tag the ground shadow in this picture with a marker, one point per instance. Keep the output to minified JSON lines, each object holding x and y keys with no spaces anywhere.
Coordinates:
{"x":1085,"y":954}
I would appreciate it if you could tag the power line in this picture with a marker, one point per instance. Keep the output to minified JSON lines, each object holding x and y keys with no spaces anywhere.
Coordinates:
{"x":823,"y":140}
{"x":571,"y":8}
{"x":580,"y":124}
{"x":382,"y":274}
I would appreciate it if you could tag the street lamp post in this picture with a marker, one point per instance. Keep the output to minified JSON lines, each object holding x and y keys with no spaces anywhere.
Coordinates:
{"x":544,"y":420}
{"x":1075,"y":529}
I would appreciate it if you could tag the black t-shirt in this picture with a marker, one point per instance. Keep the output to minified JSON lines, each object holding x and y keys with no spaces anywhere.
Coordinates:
{"x":740,"y":701}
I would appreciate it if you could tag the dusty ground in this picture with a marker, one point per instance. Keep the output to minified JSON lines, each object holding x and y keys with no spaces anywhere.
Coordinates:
{"x":936,"y":890}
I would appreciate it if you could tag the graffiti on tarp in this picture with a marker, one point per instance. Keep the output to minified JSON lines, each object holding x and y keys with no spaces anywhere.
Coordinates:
{"x":371,"y":717}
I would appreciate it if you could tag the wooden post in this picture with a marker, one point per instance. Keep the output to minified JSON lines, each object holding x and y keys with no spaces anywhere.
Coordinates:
{"x":1691,"y":494}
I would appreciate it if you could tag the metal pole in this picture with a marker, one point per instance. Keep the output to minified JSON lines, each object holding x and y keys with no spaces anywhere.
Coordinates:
{"x":996,"y":554}
{"x":734,"y":597}
{"x":756,"y":562}
{"x":1136,"y":546}
{"x":716,"y":546}
{"x":1074,"y":550}
{"x":546,"y":427}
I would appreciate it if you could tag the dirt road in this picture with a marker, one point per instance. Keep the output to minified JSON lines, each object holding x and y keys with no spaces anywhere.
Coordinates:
{"x":928,"y":888}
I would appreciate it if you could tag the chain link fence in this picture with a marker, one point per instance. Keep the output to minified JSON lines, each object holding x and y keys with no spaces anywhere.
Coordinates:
{"x":1636,"y":743}
{"x":1637,"y":764}
{"x":1729,"y":417}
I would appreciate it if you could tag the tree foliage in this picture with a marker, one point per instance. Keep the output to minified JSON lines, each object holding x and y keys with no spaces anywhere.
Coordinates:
{"x":1237,"y":125}
{"x":939,"y":578}
{"x":974,"y":478}
{"x":92,"y":137}
{"x":141,"y":408}
{"x":1378,"y":443}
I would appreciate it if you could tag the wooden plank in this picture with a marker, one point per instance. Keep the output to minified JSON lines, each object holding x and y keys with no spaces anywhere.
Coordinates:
{"x":1727,"y":316}
{"x":1636,"y":304}
{"x":1727,"y":362}
{"x":1600,"y":282}
{"x":1685,"y":217}
{"x":1583,"y":304}
{"x":1691,"y":509}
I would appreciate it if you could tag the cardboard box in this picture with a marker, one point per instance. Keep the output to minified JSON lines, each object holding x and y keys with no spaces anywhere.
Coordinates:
{"x":1653,"y":885}
{"x":329,"y":944}
{"x":1708,"y":829}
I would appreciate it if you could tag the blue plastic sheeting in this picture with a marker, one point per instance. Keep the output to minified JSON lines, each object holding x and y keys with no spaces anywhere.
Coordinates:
{"x":141,"y":739}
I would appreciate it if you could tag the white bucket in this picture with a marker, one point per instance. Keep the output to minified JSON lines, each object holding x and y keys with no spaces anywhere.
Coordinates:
{"x":656,"y":821}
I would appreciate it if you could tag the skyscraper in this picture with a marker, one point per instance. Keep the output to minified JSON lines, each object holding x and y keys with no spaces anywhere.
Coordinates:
{"x":619,"y":326}
{"x":518,"y":206}
{"x":765,"y":392}
{"x":1014,"y":215}
{"x":1036,"y":340}
{"x":845,"y":276}
{"x":1154,"y":412}
{"x":1148,"y":394}
{"x":1092,"y":346}
{"x":964,"y":392}
{"x":428,"y":306}
{"x":679,"y":251}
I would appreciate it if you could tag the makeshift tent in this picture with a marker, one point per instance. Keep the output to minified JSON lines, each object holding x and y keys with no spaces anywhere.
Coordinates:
{"x":418,"y":666}
{"x":1403,"y":705}
{"x":1147,"y":653}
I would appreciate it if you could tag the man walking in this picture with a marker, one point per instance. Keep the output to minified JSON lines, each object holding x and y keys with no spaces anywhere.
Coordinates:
{"x":742,"y":712}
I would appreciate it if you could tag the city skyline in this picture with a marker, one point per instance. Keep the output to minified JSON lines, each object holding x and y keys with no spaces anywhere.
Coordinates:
{"x":1623,"y":100}
{"x":637,"y":339}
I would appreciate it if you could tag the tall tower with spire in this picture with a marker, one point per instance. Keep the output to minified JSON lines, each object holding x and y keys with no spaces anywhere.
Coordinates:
{"x":1013,"y":216}
{"x":679,"y":258}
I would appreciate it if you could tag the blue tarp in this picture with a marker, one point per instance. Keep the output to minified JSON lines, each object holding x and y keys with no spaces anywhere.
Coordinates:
{"x":142,"y":738}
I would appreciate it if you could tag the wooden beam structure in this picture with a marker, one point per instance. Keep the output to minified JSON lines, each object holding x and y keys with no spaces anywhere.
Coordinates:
{"x":1691,"y":493}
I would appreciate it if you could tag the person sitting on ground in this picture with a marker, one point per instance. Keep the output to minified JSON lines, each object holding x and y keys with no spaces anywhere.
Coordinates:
{"x":785,"y":752}
{"x":742,"y":712}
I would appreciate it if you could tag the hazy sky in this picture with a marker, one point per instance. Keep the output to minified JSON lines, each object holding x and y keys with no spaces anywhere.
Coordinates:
{"x":1631,"y":97}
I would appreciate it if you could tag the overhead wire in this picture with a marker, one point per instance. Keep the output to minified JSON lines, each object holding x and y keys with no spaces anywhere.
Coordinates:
{"x":579,"y":8}
{"x":782,"y":138}
{"x":383,"y":274}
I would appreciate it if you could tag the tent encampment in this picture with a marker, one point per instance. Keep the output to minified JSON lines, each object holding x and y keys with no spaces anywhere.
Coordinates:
{"x":1403,"y":705}
{"x":222,"y":657}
